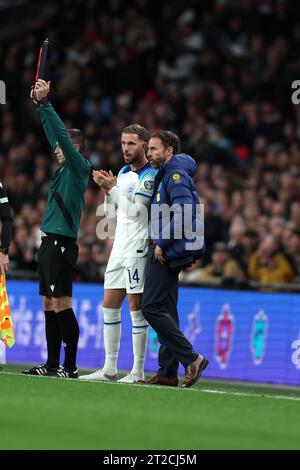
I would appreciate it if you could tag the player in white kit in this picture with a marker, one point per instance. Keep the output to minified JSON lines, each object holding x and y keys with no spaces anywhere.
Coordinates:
{"x":129,"y":196}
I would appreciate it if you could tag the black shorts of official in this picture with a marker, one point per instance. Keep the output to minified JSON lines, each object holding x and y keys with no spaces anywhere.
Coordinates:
{"x":57,"y":259}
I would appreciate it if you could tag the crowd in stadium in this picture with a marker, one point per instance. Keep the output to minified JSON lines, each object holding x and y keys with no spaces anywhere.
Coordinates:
{"x":201,"y":69}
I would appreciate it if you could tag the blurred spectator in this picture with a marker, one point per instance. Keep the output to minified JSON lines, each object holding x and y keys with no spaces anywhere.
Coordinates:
{"x":85,"y":270}
{"x":23,"y":250}
{"x":222,"y":271}
{"x":246,"y":246}
{"x":269,"y":265}
{"x":292,"y":248}
{"x":190,"y":273}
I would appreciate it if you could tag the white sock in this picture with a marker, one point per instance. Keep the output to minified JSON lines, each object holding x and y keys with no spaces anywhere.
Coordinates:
{"x":112,"y":337}
{"x":139,"y":341}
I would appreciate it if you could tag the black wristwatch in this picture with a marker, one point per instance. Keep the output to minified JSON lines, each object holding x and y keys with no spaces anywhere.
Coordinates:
{"x":4,"y":251}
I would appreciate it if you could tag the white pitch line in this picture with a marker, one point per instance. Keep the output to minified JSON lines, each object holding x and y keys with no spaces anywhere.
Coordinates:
{"x":201,"y":390}
{"x":256,"y":395}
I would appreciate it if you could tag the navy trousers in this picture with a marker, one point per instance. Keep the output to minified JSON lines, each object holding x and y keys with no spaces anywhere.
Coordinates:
{"x":159,"y":307}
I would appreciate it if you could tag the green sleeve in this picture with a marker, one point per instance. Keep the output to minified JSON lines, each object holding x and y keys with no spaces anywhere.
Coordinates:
{"x":57,"y":133}
{"x":48,"y":131}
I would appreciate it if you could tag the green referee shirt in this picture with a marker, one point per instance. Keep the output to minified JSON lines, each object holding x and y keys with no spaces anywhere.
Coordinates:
{"x":69,"y":182}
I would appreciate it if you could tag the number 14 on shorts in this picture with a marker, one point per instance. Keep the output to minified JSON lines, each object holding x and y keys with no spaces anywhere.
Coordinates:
{"x":133,"y":276}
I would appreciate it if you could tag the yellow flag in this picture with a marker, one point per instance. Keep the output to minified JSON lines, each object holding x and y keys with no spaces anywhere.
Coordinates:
{"x":6,"y":327}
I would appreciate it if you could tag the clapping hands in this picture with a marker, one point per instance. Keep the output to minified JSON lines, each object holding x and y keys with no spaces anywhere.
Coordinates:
{"x":106,"y":180}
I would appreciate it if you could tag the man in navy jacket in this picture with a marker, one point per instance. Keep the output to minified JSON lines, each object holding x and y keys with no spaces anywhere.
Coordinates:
{"x":176,"y":241}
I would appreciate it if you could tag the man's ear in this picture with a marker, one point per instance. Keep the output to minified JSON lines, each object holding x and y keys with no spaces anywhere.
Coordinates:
{"x":77,"y":146}
{"x":170,"y":151}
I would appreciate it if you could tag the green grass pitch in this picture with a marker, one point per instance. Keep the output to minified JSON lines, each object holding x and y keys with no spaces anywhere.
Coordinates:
{"x":50,"y":413}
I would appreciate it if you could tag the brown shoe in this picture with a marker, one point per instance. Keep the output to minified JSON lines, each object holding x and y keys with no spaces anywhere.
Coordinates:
{"x":160,"y":380}
{"x":194,"y":371}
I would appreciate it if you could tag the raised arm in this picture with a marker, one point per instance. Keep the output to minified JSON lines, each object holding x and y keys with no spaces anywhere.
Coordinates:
{"x":56,"y":128}
{"x":47,"y":128}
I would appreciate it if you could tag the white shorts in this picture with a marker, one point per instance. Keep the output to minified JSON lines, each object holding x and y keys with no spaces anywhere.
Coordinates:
{"x":126,"y":273}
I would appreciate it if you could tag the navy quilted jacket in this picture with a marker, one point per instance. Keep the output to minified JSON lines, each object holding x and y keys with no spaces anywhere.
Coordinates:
{"x":181,"y":232}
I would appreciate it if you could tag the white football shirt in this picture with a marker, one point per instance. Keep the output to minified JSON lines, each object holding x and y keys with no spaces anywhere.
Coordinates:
{"x":131,"y":199}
